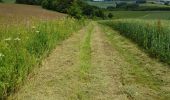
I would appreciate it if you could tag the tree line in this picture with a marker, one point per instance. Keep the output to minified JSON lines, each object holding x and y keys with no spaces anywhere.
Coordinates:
{"x":75,"y":8}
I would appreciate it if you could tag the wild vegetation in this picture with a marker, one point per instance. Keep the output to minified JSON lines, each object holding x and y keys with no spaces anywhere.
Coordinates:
{"x":153,"y":36}
{"x":23,"y":45}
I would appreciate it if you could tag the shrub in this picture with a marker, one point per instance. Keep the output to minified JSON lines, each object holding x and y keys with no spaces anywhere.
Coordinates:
{"x":100,"y":13}
{"x":140,"y":1}
{"x":31,"y":2}
{"x":110,"y":15}
{"x":132,"y":6}
{"x":45,"y":4}
{"x":110,"y":8}
{"x":167,"y":3}
{"x":121,"y":5}
{"x":75,"y":11}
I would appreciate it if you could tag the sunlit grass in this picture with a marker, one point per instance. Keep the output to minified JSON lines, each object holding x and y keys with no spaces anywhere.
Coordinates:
{"x":22,"y":46}
{"x":152,"y":35}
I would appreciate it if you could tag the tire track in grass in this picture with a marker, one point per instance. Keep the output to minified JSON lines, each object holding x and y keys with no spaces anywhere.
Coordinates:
{"x":84,"y":66}
{"x":98,"y":73}
{"x":105,"y":73}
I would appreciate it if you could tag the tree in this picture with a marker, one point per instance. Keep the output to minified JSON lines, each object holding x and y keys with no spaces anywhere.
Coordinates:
{"x":31,"y":2}
{"x":75,"y":10}
{"x":45,"y":4}
{"x":141,"y":1}
{"x":100,"y":13}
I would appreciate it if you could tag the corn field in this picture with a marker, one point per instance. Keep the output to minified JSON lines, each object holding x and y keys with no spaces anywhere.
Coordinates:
{"x":152,"y":35}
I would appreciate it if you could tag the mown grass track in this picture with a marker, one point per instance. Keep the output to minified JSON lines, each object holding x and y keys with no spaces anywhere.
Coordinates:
{"x":98,"y":63}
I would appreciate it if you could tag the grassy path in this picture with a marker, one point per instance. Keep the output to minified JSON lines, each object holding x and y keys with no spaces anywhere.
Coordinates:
{"x":57,"y":79}
{"x":97,"y":64}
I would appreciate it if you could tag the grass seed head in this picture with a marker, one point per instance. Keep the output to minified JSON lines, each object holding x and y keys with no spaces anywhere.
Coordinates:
{"x":8,"y":39}
{"x":1,"y":55}
{"x":17,"y":39}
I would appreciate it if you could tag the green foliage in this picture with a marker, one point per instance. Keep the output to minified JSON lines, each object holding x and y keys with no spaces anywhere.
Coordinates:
{"x":154,"y":37}
{"x":100,"y":13}
{"x":31,"y":2}
{"x":110,"y":15}
{"x":22,"y":48}
{"x":57,"y":5}
{"x":75,"y":8}
{"x":141,"y":1}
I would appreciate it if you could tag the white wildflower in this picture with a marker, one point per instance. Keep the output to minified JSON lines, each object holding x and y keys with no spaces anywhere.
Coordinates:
{"x":37,"y":31}
{"x":17,"y":39}
{"x":137,"y":93}
{"x":33,"y":27}
{"x":109,"y":33}
{"x":2,"y":55}
{"x":8,"y":39}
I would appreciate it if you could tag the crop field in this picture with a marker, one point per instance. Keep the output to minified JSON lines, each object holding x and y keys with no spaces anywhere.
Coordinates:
{"x":140,"y":14}
{"x":27,"y":34}
{"x":102,"y":4}
{"x":153,"y":6}
{"x":20,"y":13}
{"x":152,"y":35}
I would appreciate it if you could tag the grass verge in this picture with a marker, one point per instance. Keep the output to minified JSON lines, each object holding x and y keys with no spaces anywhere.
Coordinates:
{"x":24,"y":46}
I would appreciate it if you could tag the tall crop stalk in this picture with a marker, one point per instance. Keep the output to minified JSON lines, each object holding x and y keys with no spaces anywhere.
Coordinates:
{"x":154,"y":36}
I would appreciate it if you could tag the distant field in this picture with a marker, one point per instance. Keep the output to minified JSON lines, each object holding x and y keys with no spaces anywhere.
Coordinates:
{"x":141,"y":14}
{"x":8,"y":1}
{"x":102,"y":4}
{"x":16,"y":12}
{"x":142,"y":7}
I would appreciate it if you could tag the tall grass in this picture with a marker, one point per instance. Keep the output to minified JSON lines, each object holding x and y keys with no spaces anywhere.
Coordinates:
{"x":152,"y":35}
{"x":23,"y":46}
